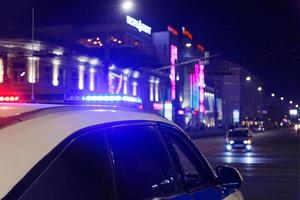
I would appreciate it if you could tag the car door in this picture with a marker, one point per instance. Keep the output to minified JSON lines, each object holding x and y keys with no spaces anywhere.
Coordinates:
{"x":198,"y":177}
{"x":79,"y":168}
{"x":143,"y":168}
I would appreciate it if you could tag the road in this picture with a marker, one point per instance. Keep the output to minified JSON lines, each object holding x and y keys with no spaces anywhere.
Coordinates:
{"x":270,"y":171}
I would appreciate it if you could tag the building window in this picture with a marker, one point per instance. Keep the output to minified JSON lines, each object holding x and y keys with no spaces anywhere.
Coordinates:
{"x":48,"y":77}
{"x":96,"y":82}
{"x":86,"y":81}
{"x":74,"y":79}
{"x":61,"y":76}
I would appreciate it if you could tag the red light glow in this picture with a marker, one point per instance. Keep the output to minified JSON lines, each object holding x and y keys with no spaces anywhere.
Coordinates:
{"x":9,"y":98}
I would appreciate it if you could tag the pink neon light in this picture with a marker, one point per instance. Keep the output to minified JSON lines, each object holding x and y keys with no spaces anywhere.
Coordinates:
{"x":157,"y":106}
{"x":202,"y":108}
{"x":201,"y":96}
{"x":174,"y":57}
{"x":181,"y":112}
{"x":201,"y":82}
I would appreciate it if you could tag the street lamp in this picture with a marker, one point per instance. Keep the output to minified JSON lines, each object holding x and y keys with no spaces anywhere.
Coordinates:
{"x":127,"y":5}
{"x":259,"y":89}
{"x":188,"y":45}
{"x":248,"y":78}
{"x":297,"y":106}
{"x":281,"y":98}
{"x":291,"y":102}
{"x":273,"y":94}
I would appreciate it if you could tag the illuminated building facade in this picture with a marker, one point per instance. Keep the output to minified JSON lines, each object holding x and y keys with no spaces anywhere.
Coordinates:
{"x":164,"y":69}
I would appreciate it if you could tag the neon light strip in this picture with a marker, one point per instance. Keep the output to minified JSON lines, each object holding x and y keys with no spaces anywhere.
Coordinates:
{"x":81,"y":77}
{"x":55,"y":72}
{"x":92,"y":79}
{"x":202,"y":93}
{"x":1,"y":71}
{"x":156,"y":92}
{"x":134,"y":88}
{"x":174,"y":57}
{"x":151,"y":91}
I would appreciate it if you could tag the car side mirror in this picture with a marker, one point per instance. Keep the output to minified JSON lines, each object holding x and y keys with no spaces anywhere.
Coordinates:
{"x":229,"y":177}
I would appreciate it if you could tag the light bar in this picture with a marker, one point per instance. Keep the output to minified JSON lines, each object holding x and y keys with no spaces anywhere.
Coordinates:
{"x":9,"y":98}
{"x":107,"y":98}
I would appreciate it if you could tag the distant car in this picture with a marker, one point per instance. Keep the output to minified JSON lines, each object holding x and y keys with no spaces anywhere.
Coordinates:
{"x":239,"y":138}
{"x":60,"y":152}
{"x":297,"y":128}
{"x":257,"y":128}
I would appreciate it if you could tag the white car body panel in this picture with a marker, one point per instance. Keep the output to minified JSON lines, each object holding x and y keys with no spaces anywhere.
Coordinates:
{"x":23,"y":144}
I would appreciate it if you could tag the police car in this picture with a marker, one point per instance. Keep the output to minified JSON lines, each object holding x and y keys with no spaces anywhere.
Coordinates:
{"x":55,"y":152}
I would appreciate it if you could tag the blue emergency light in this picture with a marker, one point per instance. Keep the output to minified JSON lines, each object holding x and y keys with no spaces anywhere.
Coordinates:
{"x":106,"y":98}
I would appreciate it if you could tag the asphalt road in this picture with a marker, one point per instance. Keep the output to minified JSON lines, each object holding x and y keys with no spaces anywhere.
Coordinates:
{"x":270,"y":171}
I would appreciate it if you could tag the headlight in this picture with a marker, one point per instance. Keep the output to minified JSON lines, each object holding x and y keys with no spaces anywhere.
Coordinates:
{"x":248,"y":147}
{"x":228,"y":147}
{"x":247,"y":141}
{"x":231,"y":142}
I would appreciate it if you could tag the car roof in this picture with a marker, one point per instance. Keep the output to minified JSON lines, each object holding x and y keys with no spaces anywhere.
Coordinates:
{"x":26,"y":142}
{"x":12,"y":109}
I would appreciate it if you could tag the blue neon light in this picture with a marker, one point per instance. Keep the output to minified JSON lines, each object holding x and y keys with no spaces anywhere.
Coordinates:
{"x":111,"y":98}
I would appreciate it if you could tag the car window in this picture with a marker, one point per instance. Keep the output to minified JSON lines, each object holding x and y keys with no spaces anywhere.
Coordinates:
{"x":143,"y":168}
{"x":194,"y":171}
{"x":82,"y":171}
{"x":239,"y":133}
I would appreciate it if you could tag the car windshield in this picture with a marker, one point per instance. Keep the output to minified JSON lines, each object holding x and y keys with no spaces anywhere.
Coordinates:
{"x":239,"y":133}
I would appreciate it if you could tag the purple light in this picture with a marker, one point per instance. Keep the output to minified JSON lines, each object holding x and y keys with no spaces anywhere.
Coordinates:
{"x":202,"y":92}
{"x":181,"y":112}
{"x":194,"y":82}
{"x":174,"y":57}
{"x":157,"y":106}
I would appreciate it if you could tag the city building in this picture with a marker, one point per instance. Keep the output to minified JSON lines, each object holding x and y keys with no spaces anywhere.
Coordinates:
{"x":242,"y":93}
{"x":165,"y":70}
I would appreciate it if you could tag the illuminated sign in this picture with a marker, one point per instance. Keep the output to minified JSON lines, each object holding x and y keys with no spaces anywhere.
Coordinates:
{"x":141,"y":27}
{"x":187,"y":33}
{"x":173,"y":58}
{"x":172,"y":30}
{"x":168,"y":110}
{"x":236,"y":116}
{"x":158,"y":106}
{"x":201,"y":47}
{"x":294,"y":112}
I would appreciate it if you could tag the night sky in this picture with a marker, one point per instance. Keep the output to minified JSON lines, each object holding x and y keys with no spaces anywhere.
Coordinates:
{"x":262,"y":35}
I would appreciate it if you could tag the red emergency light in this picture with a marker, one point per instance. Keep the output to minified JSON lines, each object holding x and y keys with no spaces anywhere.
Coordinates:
{"x":9,"y":98}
